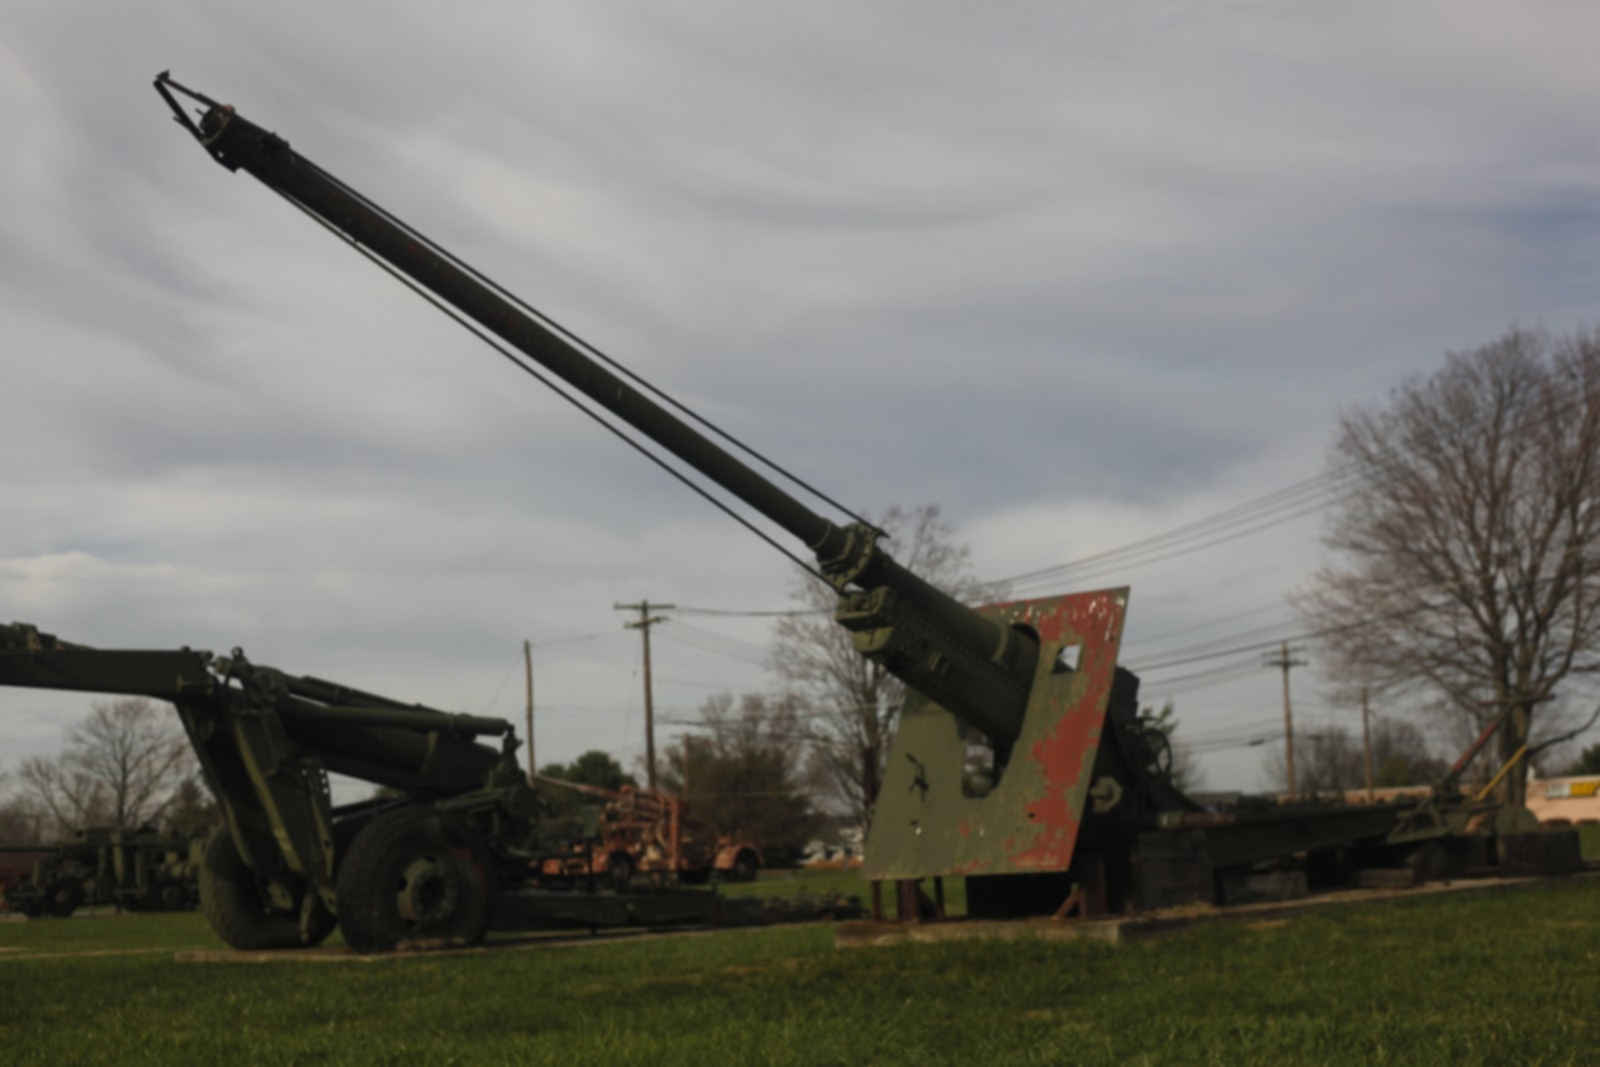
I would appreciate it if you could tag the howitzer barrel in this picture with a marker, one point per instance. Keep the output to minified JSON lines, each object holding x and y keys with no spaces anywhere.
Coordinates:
{"x":424,"y":719}
{"x":409,"y":759}
{"x":239,"y":144}
{"x":979,"y":670}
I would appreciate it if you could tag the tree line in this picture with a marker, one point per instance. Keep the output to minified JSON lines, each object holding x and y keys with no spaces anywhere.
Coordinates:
{"x":1464,"y":558}
{"x":126,"y":765}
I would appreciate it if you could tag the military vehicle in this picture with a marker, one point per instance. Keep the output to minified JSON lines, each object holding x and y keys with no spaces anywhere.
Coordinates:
{"x":1077,"y":810}
{"x":634,"y":831}
{"x":140,"y":870}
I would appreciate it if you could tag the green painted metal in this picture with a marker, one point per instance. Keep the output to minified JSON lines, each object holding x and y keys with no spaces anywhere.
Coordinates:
{"x":928,"y":819}
{"x":915,"y":630}
{"x":1589,"y":842}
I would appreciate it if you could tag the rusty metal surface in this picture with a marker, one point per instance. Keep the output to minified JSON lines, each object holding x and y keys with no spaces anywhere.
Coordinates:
{"x":927,"y":823}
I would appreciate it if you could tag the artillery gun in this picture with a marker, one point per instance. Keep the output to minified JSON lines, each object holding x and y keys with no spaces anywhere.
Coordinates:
{"x":646,"y":831}
{"x":140,"y":870}
{"x":1077,"y":804}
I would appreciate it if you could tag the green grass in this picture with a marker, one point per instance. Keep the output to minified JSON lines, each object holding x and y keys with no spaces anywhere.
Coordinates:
{"x":1509,"y":977}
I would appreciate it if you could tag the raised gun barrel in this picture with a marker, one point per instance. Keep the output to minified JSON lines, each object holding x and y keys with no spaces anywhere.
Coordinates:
{"x":978,"y":669}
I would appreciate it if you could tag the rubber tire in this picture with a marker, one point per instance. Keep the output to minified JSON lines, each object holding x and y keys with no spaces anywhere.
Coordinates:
{"x":372,"y":874}
{"x":323,"y":922}
{"x":171,"y":896}
{"x":64,"y":897}
{"x":232,"y":904}
{"x":1159,"y":747}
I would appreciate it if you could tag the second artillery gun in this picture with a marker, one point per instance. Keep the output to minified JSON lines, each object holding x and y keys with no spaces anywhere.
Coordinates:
{"x":1076,"y":793}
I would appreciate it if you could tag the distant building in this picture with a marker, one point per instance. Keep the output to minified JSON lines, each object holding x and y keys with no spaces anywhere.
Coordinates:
{"x":1575,"y":800}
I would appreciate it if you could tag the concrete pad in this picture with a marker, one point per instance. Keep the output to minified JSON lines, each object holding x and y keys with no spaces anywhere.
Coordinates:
{"x":1118,"y":929}
{"x":83,"y":954}
{"x":867,"y":933}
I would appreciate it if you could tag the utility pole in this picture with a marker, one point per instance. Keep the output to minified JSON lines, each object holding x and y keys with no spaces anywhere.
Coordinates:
{"x":646,"y":620}
{"x":1285,"y":661}
{"x":1366,"y":741}
{"x":527,"y":663}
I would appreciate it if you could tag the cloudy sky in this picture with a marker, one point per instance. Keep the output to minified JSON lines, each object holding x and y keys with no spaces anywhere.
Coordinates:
{"x":1078,"y":273}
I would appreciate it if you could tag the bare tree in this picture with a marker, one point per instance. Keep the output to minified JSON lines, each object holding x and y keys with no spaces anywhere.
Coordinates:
{"x":1468,"y":550}
{"x":120,"y":766}
{"x":20,"y":822}
{"x":192,"y":811}
{"x":855,"y":700}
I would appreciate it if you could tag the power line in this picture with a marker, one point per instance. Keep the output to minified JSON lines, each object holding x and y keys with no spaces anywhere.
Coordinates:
{"x":1165,"y":635}
{"x":1174,"y":652}
{"x":1251,"y":516}
{"x":737,"y":614}
{"x":573,"y":639}
{"x":720,"y":644}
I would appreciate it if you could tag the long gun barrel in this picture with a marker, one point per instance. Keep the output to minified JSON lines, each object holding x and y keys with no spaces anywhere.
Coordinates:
{"x":978,"y":669}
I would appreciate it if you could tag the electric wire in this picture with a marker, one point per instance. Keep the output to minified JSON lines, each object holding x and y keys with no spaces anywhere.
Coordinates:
{"x":1254,"y":515}
{"x":1188,"y":545}
{"x":572,"y":639}
{"x":730,"y":613}
{"x":717,"y":648}
{"x":1189,"y":629}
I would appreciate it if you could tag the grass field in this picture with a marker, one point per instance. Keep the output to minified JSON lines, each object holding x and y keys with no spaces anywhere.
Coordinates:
{"x":1510,"y":977}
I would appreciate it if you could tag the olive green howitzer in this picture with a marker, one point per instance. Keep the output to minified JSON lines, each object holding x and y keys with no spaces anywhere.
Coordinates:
{"x":422,"y":863}
{"x":1030,"y":684}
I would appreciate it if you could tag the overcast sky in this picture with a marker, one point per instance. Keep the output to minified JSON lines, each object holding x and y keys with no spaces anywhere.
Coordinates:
{"x":1077,"y":273}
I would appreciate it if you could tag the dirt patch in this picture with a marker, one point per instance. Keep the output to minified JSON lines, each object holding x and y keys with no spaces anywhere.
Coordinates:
{"x":84,"y":954}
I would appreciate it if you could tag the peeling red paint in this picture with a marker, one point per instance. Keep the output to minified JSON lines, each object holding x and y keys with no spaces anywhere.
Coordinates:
{"x":1031,"y":818}
{"x":1065,"y":756}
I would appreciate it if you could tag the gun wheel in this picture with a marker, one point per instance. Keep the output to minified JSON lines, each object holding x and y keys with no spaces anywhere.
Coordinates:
{"x":64,"y":897}
{"x":1159,"y":747}
{"x":232,"y":902}
{"x":410,"y":877}
{"x":172,"y":896}
{"x":745,"y":867}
